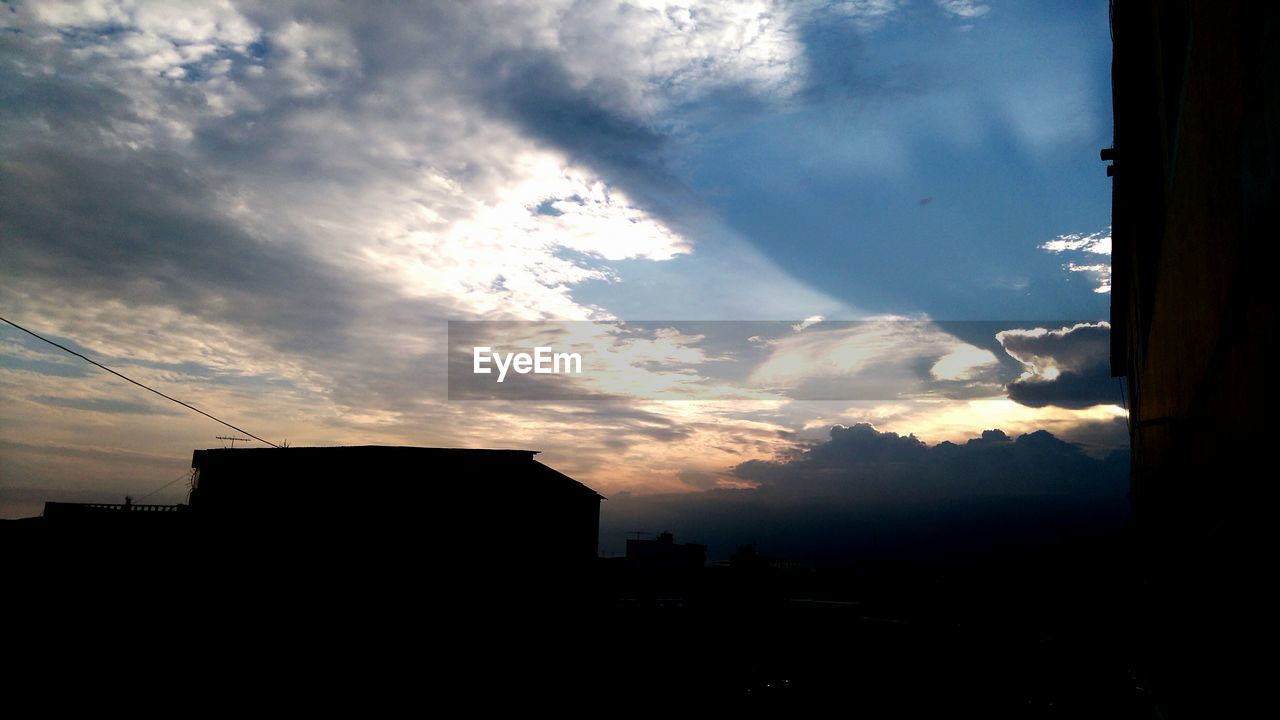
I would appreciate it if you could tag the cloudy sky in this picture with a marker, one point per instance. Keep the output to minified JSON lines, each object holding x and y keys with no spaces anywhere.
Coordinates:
{"x":273,"y":210}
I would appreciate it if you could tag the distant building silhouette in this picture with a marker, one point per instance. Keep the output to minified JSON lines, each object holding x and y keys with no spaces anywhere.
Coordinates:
{"x":749,"y":557}
{"x":664,"y":556}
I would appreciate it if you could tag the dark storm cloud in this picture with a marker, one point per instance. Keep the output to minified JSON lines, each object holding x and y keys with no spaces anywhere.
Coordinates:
{"x":1081,"y":345}
{"x":1093,"y":386}
{"x":865,"y":494}
{"x":1069,"y":367}
{"x":860,"y":461}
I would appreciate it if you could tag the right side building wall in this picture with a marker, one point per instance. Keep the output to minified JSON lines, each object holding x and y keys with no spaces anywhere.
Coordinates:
{"x":1197,"y":146}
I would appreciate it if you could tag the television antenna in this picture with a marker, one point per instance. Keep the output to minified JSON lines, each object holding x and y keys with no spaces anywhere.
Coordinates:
{"x":232,"y":439}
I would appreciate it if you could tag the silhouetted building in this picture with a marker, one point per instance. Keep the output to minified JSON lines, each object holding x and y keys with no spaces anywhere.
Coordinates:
{"x":480,"y":506}
{"x":117,"y":533}
{"x":1197,"y":151}
{"x":292,"y":517}
{"x":663,"y":556}
{"x":127,"y":509}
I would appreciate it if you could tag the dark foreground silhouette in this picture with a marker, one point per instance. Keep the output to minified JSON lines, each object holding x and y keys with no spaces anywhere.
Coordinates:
{"x":466,"y":579}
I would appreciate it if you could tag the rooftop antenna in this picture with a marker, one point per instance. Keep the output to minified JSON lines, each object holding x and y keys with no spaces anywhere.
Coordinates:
{"x":232,"y":439}
{"x":639,"y":533}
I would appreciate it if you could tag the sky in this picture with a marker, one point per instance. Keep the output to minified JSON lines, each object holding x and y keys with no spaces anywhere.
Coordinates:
{"x":274,"y":210}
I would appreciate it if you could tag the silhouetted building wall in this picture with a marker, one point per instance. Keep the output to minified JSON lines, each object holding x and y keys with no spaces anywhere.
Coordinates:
{"x":1197,"y":148}
{"x":479,"y":506}
{"x":664,"y":556}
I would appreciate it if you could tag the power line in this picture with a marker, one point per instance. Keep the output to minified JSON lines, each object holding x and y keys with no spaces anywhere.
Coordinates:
{"x":183,"y":476}
{"x":135,"y":382}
